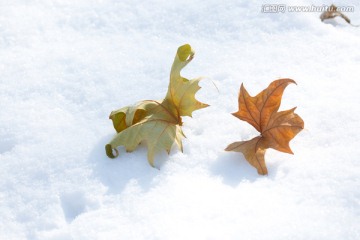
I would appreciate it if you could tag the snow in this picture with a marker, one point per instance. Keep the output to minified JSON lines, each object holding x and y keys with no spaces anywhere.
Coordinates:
{"x":65,"y":65}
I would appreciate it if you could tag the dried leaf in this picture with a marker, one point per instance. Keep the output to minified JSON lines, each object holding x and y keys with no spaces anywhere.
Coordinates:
{"x":276,"y":128}
{"x":333,"y":12}
{"x":158,"y":123}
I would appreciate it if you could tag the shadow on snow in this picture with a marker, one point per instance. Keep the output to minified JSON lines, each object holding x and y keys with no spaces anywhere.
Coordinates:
{"x":116,"y":173}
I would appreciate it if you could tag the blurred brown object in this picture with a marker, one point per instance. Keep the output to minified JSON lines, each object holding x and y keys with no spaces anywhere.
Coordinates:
{"x":332,"y":12}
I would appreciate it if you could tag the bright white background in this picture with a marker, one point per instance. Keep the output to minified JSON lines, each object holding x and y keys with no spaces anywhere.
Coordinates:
{"x":65,"y":65}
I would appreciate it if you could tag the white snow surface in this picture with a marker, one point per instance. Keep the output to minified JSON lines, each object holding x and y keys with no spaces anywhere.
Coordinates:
{"x":65,"y":65}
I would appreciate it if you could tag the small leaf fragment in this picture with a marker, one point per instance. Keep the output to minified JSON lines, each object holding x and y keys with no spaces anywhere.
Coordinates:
{"x":333,"y":12}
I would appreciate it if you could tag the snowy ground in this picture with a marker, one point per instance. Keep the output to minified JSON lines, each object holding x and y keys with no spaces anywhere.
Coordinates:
{"x":65,"y":65}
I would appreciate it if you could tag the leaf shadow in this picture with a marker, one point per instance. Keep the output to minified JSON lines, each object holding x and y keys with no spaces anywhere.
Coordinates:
{"x":233,"y":169}
{"x":116,"y":173}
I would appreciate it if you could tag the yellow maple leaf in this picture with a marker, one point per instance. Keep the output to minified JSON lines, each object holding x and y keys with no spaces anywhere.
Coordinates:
{"x":158,"y":123}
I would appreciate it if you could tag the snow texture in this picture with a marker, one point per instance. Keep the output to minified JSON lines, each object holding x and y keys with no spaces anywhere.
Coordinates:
{"x":65,"y":65}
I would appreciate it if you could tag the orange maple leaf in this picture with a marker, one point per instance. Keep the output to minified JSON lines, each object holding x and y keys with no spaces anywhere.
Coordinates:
{"x":276,"y":128}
